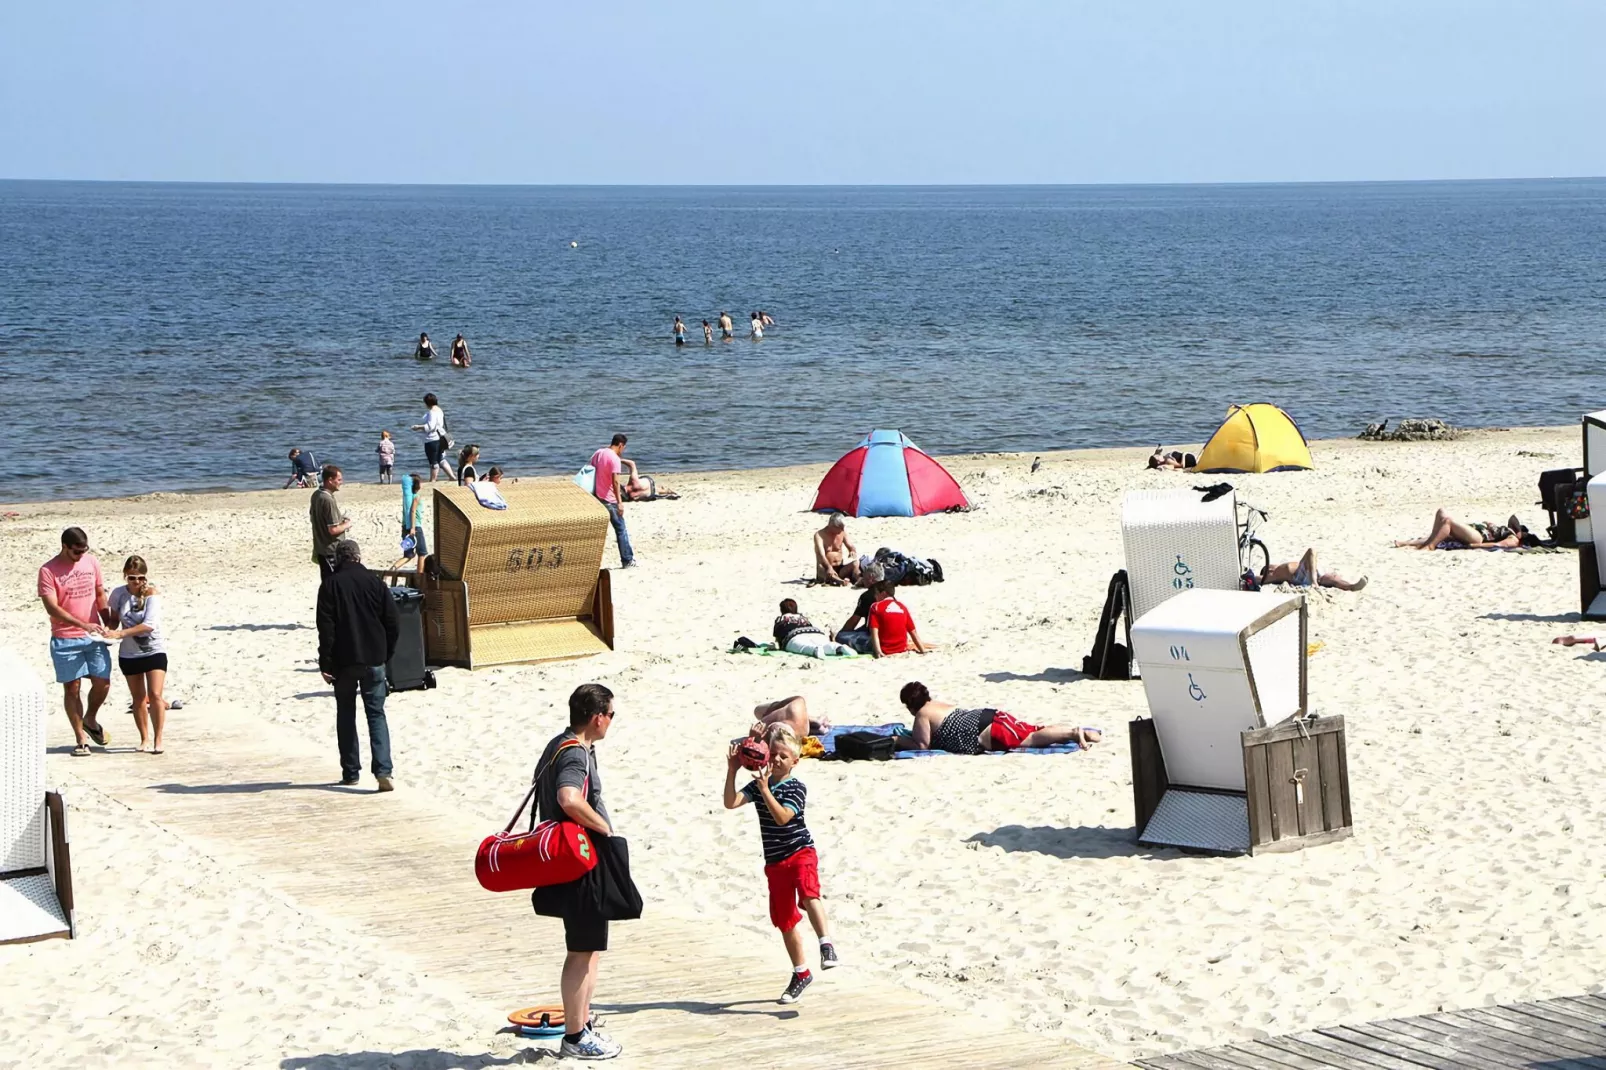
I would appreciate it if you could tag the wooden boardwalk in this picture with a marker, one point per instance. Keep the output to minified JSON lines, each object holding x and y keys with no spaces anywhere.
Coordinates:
{"x":1554,"y":1034}
{"x":397,"y":869}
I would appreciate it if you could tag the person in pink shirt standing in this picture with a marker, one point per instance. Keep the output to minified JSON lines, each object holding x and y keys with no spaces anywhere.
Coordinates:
{"x":70,"y":586}
{"x":606,"y":489}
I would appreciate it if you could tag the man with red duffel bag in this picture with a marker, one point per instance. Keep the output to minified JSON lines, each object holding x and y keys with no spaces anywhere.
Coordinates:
{"x":569,"y":788}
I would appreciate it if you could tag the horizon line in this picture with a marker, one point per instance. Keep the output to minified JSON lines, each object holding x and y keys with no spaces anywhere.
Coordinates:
{"x":800,"y":185}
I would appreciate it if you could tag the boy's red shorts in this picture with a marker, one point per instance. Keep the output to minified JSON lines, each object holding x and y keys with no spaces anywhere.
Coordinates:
{"x":1010,"y":731}
{"x":794,"y":878}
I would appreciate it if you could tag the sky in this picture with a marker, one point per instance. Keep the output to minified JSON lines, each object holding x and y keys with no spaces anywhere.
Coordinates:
{"x":833,"y":92}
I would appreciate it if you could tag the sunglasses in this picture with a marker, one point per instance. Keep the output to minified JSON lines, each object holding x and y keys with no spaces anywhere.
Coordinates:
{"x":131,"y":579}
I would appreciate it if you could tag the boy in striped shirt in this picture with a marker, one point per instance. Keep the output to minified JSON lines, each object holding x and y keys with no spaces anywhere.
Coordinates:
{"x":790,"y":863}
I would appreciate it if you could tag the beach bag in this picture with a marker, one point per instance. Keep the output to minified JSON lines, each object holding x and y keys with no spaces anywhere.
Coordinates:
{"x":553,"y":852}
{"x":1110,"y":660}
{"x":864,"y":746}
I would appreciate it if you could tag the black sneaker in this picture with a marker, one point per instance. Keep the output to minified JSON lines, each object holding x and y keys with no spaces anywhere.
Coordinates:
{"x":828,"y":957}
{"x":794,"y":991}
{"x":347,"y":781}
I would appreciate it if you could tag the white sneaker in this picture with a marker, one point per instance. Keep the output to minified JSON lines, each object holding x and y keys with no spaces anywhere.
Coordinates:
{"x":591,"y":1045}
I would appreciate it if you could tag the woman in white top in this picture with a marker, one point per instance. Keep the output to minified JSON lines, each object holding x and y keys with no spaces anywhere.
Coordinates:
{"x":436,"y":440}
{"x":142,"y":656}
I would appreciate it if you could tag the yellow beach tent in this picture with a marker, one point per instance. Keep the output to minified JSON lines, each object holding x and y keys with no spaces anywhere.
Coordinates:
{"x":1255,"y":438}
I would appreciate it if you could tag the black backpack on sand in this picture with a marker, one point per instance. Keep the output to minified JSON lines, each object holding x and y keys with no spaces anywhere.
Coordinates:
{"x":1110,"y":660}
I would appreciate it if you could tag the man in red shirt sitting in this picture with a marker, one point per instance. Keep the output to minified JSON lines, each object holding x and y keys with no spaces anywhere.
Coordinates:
{"x":892,"y":627}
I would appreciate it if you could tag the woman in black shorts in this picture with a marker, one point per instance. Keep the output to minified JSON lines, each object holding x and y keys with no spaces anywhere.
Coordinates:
{"x":136,"y":617}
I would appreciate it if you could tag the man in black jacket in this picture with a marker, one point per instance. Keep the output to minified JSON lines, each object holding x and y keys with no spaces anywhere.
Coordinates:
{"x":357,"y":630}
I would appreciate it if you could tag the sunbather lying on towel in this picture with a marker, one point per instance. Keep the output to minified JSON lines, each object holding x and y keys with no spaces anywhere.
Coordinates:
{"x":640,"y":488}
{"x":1481,"y":536}
{"x":796,"y":634}
{"x":943,"y":726}
{"x":1303,"y":573}
{"x":792,"y":712}
{"x":1175,"y":459}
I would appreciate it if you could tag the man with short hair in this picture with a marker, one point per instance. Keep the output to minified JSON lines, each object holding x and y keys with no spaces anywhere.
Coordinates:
{"x":357,"y":630}
{"x":303,"y":469}
{"x":328,"y":522}
{"x":855,"y":631}
{"x":835,"y":558}
{"x":569,"y":788}
{"x":892,"y":626}
{"x":605,"y":488}
{"x":70,"y":586}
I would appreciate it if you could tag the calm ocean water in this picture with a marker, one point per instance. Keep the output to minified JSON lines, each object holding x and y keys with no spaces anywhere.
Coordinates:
{"x":162,"y":337}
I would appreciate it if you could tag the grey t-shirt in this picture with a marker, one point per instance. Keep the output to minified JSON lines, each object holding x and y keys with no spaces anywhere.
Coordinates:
{"x":132,"y":612}
{"x":574,"y":767}
{"x":325,"y":513}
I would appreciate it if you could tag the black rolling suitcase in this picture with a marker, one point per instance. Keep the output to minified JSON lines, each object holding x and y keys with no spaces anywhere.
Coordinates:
{"x":406,"y":671}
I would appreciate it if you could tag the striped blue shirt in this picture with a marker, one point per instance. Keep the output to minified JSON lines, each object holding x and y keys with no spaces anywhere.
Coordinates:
{"x":781,"y":841}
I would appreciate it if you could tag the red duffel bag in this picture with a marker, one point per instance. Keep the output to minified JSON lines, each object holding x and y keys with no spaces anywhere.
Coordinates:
{"x":553,"y":852}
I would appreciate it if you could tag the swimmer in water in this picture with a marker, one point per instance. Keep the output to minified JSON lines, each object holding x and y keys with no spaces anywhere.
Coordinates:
{"x":680,"y":332}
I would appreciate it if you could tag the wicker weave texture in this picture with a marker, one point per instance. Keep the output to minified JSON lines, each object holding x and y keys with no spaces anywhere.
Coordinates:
{"x":1175,"y":542}
{"x":1275,"y":659}
{"x":507,"y":644}
{"x":535,"y":560}
{"x":22,"y":765}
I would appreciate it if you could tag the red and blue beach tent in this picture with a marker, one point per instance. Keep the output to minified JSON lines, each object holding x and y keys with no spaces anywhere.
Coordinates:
{"x":887,"y":475}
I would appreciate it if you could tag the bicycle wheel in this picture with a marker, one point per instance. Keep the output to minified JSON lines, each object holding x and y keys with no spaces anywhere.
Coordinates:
{"x":1259,"y":557}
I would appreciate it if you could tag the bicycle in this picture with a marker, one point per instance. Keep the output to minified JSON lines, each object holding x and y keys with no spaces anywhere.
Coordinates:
{"x":1252,"y":552}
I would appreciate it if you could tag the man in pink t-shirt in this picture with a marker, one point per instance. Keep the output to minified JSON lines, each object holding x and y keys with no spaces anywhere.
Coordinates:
{"x":606,"y":489}
{"x":75,"y":601}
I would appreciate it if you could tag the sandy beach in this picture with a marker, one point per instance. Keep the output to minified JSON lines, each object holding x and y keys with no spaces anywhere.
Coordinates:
{"x":1005,"y":886}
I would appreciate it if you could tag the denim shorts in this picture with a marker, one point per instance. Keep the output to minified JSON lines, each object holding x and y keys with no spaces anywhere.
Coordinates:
{"x":77,"y":658}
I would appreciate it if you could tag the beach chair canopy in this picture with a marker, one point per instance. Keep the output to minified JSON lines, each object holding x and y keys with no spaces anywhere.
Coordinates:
{"x":1255,"y":438}
{"x":887,"y":475}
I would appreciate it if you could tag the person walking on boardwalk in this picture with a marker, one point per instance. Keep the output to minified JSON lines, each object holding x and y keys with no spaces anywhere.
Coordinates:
{"x":606,"y":490}
{"x":357,"y":631}
{"x":569,"y":788}
{"x":74,"y":594}
{"x":328,"y":522}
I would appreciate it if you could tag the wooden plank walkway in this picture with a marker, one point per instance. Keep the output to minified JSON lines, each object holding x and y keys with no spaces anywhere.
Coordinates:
{"x":1554,"y":1034}
{"x":398,"y":870}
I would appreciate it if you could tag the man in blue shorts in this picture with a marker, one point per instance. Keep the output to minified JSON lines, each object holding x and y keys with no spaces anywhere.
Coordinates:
{"x":75,"y":601}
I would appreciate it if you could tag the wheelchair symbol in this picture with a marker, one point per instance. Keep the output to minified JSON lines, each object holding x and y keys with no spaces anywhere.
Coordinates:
{"x":1184,"y":575}
{"x":1195,"y":692}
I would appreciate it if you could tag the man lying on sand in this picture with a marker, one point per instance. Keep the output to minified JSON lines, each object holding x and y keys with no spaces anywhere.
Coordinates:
{"x":943,"y":726}
{"x":1303,"y":573}
{"x":835,"y":559}
{"x":1480,"y":536}
{"x":792,"y":712}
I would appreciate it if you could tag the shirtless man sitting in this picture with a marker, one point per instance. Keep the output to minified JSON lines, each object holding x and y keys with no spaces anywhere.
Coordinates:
{"x":943,"y":726}
{"x":836,"y":561}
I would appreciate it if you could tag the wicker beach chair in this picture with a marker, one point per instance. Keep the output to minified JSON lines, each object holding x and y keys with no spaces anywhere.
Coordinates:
{"x":35,"y":870}
{"x":1175,"y":543}
{"x":519,"y":584}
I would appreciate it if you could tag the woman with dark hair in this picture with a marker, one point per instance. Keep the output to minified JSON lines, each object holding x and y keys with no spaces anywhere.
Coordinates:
{"x":460,"y":356}
{"x":426,"y":348}
{"x":466,"y":472}
{"x":943,"y":726}
{"x":142,"y":656}
{"x":1485,"y":535}
{"x":436,"y":440}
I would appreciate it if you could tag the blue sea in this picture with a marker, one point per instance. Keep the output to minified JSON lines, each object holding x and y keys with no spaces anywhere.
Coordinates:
{"x":178,"y":336}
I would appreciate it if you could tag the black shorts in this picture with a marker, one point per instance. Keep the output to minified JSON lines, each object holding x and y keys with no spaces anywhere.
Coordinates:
{"x":142,"y":665}
{"x":433,"y":450}
{"x":585,"y":934}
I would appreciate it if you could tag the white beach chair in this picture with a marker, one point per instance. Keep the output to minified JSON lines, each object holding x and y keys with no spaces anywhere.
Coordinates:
{"x":1591,"y":537}
{"x":1216,"y":664}
{"x":35,"y":871}
{"x":1175,"y":543}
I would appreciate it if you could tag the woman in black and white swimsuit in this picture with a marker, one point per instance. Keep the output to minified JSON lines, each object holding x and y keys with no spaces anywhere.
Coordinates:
{"x":1480,"y":536}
